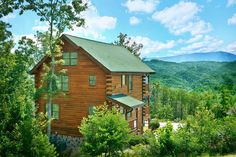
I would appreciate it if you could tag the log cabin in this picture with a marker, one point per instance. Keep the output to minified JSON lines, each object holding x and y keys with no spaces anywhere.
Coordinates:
{"x":97,"y":72}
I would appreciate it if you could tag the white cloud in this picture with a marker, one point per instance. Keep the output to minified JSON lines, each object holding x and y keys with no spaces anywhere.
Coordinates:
{"x":231,"y":47}
{"x":134,"y":20}
{"x":40,"y":26}
{"x":206,"y":44}
{"x":181,"y":18}
{"x":194,"y":39}
{"x":231,"y":2}
{"x":146,"y":6}
{"x":16,"y":38}
{"x":232,"y":20}
{"x":8,"y":17}
{"x":151,"y":46}
{"x":95,"y":24}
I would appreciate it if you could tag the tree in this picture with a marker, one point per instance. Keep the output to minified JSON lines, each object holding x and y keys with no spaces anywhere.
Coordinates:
{"x":132,"y":46}
{"x":59,"y":15}
{"x":106,"y":131}
{"x":20,"y":132}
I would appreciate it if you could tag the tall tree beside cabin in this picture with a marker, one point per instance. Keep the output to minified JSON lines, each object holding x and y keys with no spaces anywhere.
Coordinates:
{"x":53,"y":13}
{"x":97,"y":72}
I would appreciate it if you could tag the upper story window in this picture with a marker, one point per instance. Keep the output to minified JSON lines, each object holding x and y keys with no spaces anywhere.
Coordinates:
{"x":54,"y":110}
{"x":130,"y":79}
{"x":123,"y":80}
{"x":92,"y":80}
{"x":63,"y":83}
{"x":70,"y":58}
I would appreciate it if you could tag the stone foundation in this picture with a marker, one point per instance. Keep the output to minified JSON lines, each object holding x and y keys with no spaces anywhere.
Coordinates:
{"x":63,"y":142}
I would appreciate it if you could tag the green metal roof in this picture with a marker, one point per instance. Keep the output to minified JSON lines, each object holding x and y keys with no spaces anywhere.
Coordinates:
{"x":114,"y":58}
{"x":126,"y":100}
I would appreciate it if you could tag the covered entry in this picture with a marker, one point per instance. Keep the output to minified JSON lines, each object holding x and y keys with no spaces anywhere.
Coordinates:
{"x":131,"y":108}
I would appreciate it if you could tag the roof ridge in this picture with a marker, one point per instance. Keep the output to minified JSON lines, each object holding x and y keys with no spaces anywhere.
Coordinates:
{"x":93,"y":40}
{"x":103,"y":43}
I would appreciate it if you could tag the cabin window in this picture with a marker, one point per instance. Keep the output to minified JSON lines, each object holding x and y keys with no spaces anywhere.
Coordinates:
{"x":130,"y":78}
{"x":122,"y":110}
{"x":129,"y":114}
{"x":54,"y":110}
{"x":70,"y":58}
{"x":123,"y":80}
{"x":63,"y":83}
{"x":91,"y":110}
{"x":92,"y":80}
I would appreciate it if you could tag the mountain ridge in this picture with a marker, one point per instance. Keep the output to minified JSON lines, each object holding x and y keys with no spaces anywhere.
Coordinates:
{"x":198,"y":76}
{"x":219,"y":56}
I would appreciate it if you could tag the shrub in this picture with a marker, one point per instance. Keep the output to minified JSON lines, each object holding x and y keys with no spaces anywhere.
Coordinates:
{"x":135,"y":139}
{"x":106,"y":131}
{"x":154,"y":124}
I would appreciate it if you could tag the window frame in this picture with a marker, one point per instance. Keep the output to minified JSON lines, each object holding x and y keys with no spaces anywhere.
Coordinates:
{"x":123,"y":80}
{"x":53,"y":111}
{"x":92,"y":80}
{"x":91,"y":109}
{"x":129,"y":114}
{"x":62,"y":82}
{"x":70,"y":58}
{"x":130,"y":82}
{"x":122,"y":109}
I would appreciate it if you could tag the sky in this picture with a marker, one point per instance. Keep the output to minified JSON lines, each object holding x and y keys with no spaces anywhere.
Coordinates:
{"x":164,"y":27}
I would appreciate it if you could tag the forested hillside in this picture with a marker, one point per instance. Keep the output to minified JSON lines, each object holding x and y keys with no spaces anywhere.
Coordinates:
{"x":198,"y":76}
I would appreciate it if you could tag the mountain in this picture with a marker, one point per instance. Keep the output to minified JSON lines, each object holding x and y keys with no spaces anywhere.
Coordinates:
{"x":198,"y":76}
{"x":195,"y":57}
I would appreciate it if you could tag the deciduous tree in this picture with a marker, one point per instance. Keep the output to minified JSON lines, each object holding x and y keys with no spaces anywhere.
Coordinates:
{"x":132,"y":46}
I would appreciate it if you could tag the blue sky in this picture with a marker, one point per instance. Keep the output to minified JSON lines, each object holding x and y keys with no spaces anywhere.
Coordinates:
{"x":164,"y":27}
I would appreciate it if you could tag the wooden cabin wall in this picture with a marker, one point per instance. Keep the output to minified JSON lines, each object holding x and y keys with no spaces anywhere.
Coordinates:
{"x":74,"y":104}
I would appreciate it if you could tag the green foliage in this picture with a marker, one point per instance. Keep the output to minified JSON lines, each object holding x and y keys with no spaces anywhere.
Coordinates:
{"x":173,"y":104}
{"x":164,"y":138}
{"x":135,"y":139}
{"x":20,"y":132}
{"x":205,"y":133}
{"x":132,"y":46}
{"x":154,"y":124}
{"x":176,"y":104}
{"x":59,"y":15}
{"x":106,"y":131}
{"x":197,"y":76}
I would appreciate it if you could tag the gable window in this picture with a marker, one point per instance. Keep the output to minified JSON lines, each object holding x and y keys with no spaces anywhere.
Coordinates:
{"x":92,"y":80}
{"x":130,"y":79}
{"x":70,"y":58}
{"x":63,"y":83}
{"x":54,"y":110}
{"x":123,"y":80}
{"x":91,"y":110}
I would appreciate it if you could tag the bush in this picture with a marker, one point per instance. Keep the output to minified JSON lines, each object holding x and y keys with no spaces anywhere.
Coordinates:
{"x":135,"y":139}
{"x":105,"y":132}
{"x":154,"y":124}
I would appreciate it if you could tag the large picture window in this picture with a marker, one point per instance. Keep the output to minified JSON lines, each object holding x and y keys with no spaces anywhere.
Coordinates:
{"x":54,"y":110}
{"x":70,"y":58}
